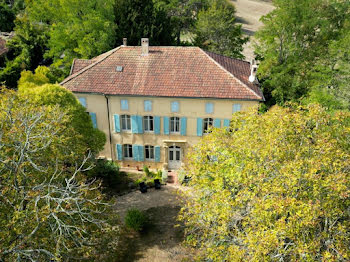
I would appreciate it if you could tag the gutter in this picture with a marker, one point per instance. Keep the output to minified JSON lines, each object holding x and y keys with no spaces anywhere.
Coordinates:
{"x":109,"y":127}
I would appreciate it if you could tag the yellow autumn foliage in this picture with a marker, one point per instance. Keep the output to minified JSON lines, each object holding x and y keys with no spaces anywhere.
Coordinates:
{"x":272,"y":187}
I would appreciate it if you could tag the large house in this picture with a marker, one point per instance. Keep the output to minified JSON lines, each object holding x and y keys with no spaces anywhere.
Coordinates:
{"x":155,"y":102}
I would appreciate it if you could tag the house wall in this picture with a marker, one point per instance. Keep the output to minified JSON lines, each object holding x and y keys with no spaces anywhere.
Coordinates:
{"x":191,"y":108}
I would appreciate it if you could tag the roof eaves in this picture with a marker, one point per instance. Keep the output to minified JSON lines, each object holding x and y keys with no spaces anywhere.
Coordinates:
{"x":236,"y":78}
{"x":89,"y":66}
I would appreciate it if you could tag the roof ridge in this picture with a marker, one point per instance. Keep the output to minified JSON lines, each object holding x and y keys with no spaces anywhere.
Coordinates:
{"x":241,"y":60}
{"x":89,"y":66}
{"x":232,"y":75}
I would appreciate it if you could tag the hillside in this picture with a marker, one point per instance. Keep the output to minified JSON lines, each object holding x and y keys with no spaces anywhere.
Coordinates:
{"x":248,"y":14}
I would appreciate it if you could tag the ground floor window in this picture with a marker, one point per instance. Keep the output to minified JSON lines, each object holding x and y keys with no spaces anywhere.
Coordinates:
{"x":207,"y":123}
{"x":127,"y":151}
{"x":149,"y":152}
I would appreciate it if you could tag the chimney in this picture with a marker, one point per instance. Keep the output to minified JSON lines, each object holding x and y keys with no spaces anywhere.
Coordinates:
{"x":125,"y":41}
{"x":144,"y":46}
{"x":253,"y":69}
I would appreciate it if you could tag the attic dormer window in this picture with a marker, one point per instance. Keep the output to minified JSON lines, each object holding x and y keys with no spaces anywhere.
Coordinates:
{"x":119,"y":69}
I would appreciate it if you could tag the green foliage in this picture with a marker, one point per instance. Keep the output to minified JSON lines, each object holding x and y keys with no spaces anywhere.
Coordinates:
{"x":106,"y":170}
{"x":55,"y":95}
{"x":182,"y":14}
{"x":296,"y":48}
{"x":217,"y":31}
{"x":26,"y":50}
{"x":7,"y":17}
{"x":140,"y":18}
{"x":136,"y":219}
{"x":279,"y":190}
{"x":49,"y":210}
{"x":77,"y":29}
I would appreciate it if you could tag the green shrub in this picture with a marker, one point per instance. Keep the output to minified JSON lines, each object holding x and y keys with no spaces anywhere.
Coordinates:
{"x":147,"y":172}
{"x":107,"y":170}
{"x":136,"y":219}
{"x":181,"y":175}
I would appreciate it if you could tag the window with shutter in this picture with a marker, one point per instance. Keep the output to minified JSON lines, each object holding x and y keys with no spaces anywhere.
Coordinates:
{"x":175,"y":107}
{"x":236,"y":108}
{"x":148,"y":106}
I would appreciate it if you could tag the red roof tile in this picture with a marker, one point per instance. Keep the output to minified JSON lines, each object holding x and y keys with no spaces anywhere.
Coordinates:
{"x":165,"y":72}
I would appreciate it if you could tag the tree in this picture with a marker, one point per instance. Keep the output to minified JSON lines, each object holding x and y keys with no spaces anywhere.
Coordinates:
{"x":48,"y":211}
{"x":216,"y":30}
{"x":26,"y":50}
{"x":7,"y":17}
{"x":272,"y":187}
{"x":140,"y":18}
{"x":35,"y":88}
{"x":182,"y":13}
{"x":77,"y":29}
{"x":295,"y":45}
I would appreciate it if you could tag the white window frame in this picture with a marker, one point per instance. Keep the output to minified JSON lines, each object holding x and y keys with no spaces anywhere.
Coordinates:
{"x":125,"y":119}
{"x":207,"y":123}
{"x":173,"y":120}
{"x":148,"y":121}
{"x":127,"y":151}
{"x":151,"y":153}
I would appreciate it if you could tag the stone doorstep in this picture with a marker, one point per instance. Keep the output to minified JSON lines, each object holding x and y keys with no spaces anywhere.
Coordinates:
{"x":172,"y":178}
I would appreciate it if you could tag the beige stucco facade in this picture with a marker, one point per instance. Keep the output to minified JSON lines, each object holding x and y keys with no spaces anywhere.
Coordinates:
{"x":191,"y":108}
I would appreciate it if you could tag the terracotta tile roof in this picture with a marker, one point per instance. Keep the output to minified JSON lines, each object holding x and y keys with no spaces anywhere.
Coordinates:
{"x":165,"y":72}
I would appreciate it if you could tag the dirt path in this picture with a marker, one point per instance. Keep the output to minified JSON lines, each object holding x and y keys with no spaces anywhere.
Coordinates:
{"x":161,"y":242}
{"x":248,"y":14}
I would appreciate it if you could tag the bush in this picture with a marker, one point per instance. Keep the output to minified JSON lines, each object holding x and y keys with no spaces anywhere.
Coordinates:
{"x":107,"y":170}
{"x":136,"y":219}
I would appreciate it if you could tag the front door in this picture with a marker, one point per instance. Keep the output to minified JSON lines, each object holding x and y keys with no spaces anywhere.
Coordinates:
{"x":174,"y":157}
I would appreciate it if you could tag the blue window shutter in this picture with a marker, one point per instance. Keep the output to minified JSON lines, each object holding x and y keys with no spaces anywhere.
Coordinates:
{"x":236,"y":108}
{"x":141,"y":154}
{"x":116,"y":123}
{"x":157,"y":125}
{"x":175,"y":107}
{"x":217,"y":123}
{"x":183,"y":126}
{"x":226,"y":122}
{"x":199,"y":126}
{"x":157,"y":153}
{"x":166,"y":125}
{"x":147,"y":105}
{"x":134,"y":126}
{"x":135,"y":152}
{"x":209,"y":108}
{"x":140,"y":124}
{"x":82,"y":101}
{"x":93,"y":119}
{"x":119,"y":152}
{"x":124,"y":104}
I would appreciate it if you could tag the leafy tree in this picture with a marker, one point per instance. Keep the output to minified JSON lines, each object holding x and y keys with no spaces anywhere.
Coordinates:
{"x":77,"y":29}
{"x":215,"y":30}
{"x":295,"y":45}
{"x":35,"y":88}
{"x":48,"y":212}
{"x":183,"y":14}
{"x":140,"y":18}
{"x":273,"y":187}
{"x":26,"y":50}
{"x":7,"y":17}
